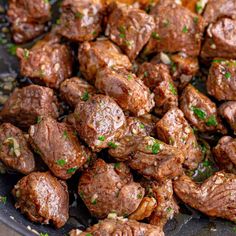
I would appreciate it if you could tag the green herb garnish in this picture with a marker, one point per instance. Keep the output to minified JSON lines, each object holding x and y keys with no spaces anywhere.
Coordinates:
{"x":156,"y":36}
{"x":195,"y":19}
{"x":185,"y":29}
{"x":172,"y":89}
{"x":212,"y":121}
{"x":61,"y":162}
{"x":39,"y":119}
{"x":155,"y":148}
{"x":65,"y":134}
{"x":112,"y":145}
{"x":139,"y":196}
{"x":227,"y":75}
{"x":85,"y":96}
{"x":11,"y":48}
{"x":79,"y":15}
{"x":101,"y":138}
{"x":3,"y":199}
{"x":117,"y":165}
{"x":199,"y":113}
{"x":71,"y":170}
{"x":129,"y":77}
{"x":122,"y":36}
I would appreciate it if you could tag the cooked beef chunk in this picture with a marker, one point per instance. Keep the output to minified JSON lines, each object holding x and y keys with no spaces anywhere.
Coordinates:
{"x":175,"y":130}
{"x":120,"y":227}
{"x":98,"y":121}
{"x":135,"y":130}
{"x":107,"y":188}
{"x":228,"y":111}
{"x":177,"y":30}
{"x":225,"y":153}
{"x":216,"y":9}
{"x":166,"y":97}
{"x":96,"y":55}
{"x":215,"y":197}
{"x":200,"y":111}
{"x":58,"y":147}
{"x":145,"y":209}
{"x":157,"y":160}
{"x":183,"y":68}
{"x":28,"y":18}
{"x":47,"y":63}
{"x":81,"y":19}
{"x":152,"y":74}
{"x":166,"y":204}
{"x":27,"y":104}
{"x":126,"y":89}
{"x":157,"y":78}
{"x":130,"y":28}
{"x":15,"y":152}
{"x":221,"y":82}
{"x":220,"y":40}
{"x":42,"y":198}
{"x":75,"y":90}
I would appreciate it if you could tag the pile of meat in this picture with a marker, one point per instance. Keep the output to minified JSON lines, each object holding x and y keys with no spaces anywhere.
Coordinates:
{"x":133,"y":100}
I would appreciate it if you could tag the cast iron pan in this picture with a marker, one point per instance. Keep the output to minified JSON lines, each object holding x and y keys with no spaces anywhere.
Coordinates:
{"x":188,"y":223}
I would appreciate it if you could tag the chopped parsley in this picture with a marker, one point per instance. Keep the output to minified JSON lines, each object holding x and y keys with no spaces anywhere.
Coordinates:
{"x":61,"y":162}
{"x":71,"y":170}
{"x":26,"y":53}
{"x":58,"y":21}
{"x":145,"y":74}
{"x":42,"y":234}
{"x":212,"y":121}
{"x":172,"y":89}
{"x":139,"y":196}
{"x":155,"y":148}
{"x":46,"y":1}
{"x":88,"y":234}
{"x":129,"y":77}
{"x":185,"y":29}
{"x":112,"y":145}
{"x":206,"y":163}
{"x":169,"y":209}
{"x":94,"y":201}
{"x":79,"y":15}
{"x":3,"y":199}
{"x":142,"y":126}
{"x":11,"y":48}
{"x":117,"y":165}
{"x":218,"y":60}
{"x":122,"y":36}
{"x":94,"y":33}
{"x":65,"y":134}
{"x":85,"y":96}
{"x":227,"y":75}
{"x":101,"y":138}
{"x":199,"y":113}
{"x":156,"y":36}
{"x":39,"y":119}
{"x":121,"y":29}
{"x":195,"y":19}
{"x":198,"y":7}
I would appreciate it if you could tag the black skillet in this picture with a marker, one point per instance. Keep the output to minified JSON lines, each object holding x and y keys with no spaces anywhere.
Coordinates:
{"x":188,"y":223}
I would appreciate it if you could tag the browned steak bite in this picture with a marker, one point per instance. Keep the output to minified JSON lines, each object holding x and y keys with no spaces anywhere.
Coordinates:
{"x":136,"y":128}
{"x":200,"y":111}
{"x":215,"y":197}
{"x":220,"y":40}
{"x":152,"y":74}
{"x":58,"y":146}
{"x":177,"y":30}
{"x":81,"y":19}
{"x":216,"y":9}
{"x":109,"y":188}
{"x":98,"y":121}
{"x":15,"y":152}
{"x":42,"y":198}
{"x":26,"y":105}
{"x":75,"y":89}
{"x":221,"y":82}
{"x":166,"y":204}
{"x":96,"y":55}
{"x":130,"y":28}
{"x":228,"y":111}
{"x":156,"y":160}
{"x":225,"y":153}
{"x":28,"y":18}
{"x":126,"y":89}
{"x":47,"y":63}
{"x":120,"y":227}
{"x":174,"y":129}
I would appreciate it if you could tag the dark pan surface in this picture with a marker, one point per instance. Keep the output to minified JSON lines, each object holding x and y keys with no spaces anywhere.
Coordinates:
{"x":188,"y":223}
